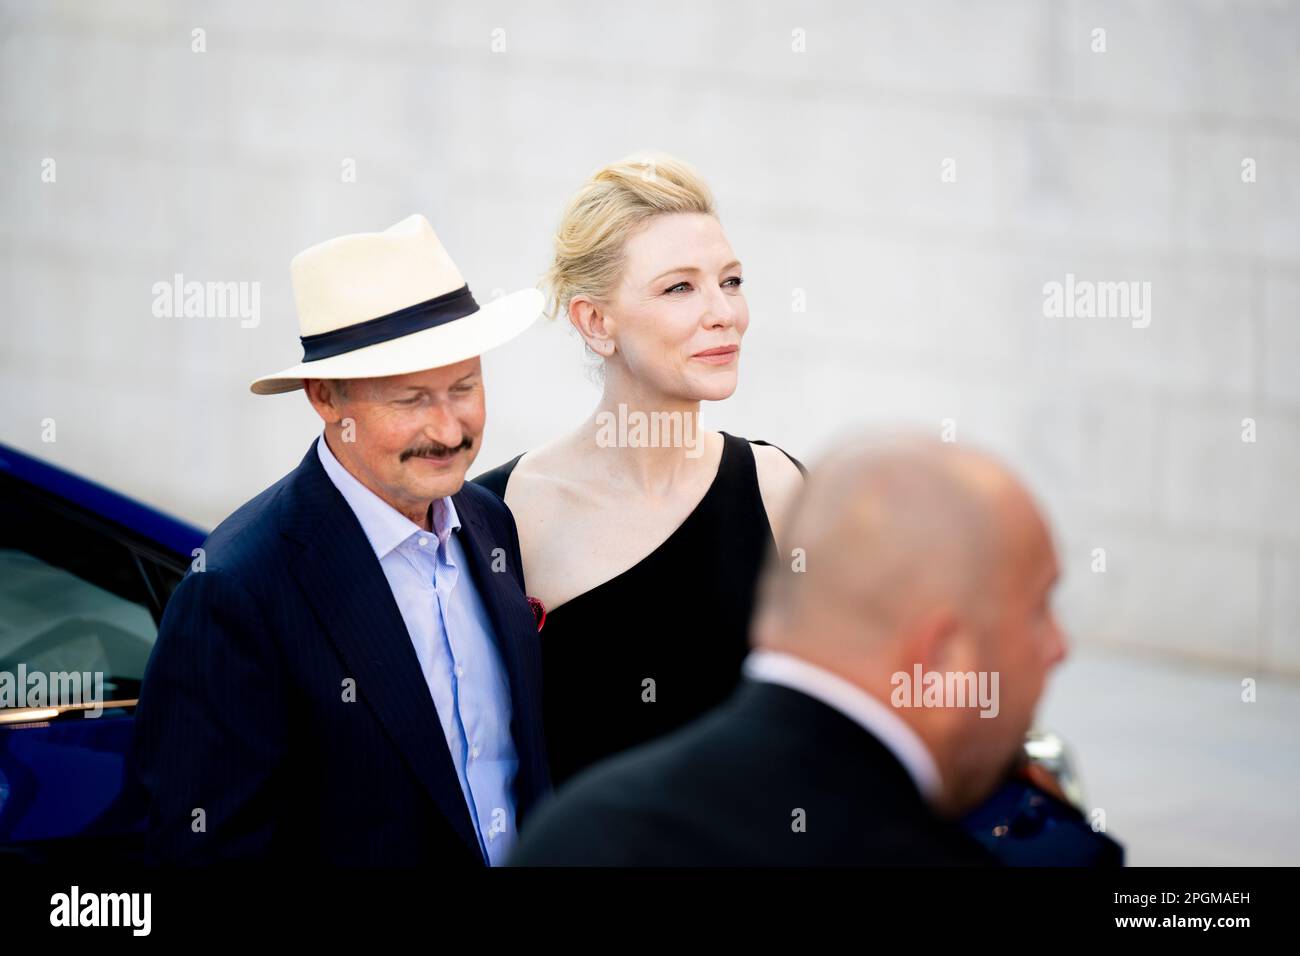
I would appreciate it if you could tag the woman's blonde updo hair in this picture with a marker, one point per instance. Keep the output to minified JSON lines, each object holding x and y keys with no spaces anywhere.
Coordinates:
{"x":611,"y":205}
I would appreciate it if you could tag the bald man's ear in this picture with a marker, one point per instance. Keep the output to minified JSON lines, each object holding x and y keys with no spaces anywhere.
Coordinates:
{"x":935,"y":641}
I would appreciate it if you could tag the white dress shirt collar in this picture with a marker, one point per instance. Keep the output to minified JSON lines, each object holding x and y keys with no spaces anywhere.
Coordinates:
{"x":856,"y":704}
{"x":384,"y":525}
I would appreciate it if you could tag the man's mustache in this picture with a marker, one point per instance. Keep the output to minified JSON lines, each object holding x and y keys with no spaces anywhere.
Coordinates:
{"x":437,"y":451}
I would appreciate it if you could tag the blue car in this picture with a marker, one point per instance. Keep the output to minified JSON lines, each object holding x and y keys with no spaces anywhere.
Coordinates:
{"x":84,"y":576}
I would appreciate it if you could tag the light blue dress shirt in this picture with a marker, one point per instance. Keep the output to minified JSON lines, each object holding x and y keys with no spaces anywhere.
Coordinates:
{"x":452,"y":635}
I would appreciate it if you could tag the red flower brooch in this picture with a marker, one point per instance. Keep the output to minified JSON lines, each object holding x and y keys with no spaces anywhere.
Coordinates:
{"x":539,"y":611}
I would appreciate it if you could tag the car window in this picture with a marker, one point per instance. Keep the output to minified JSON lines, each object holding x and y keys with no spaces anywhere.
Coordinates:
{"x":74,"y":597}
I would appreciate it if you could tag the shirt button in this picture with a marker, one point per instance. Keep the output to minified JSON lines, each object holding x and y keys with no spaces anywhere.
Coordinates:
{"x":474,"y":753}
{"x":423,"y":541}
{"x":460,"y":671}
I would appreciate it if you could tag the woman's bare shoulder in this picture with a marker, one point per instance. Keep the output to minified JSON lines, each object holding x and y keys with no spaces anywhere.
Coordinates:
{"x":779,"y":481}
{"x":547,"y":471}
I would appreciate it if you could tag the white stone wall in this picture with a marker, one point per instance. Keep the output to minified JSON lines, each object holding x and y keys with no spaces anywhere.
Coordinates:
{"x":924,"y":298}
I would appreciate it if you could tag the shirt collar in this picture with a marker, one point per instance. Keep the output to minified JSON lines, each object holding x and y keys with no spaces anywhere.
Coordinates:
{"x":856,"y":704}
{"x":385,"y":527}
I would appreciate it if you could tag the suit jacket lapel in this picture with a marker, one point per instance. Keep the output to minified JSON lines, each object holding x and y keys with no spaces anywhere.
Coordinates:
{"x":515,"y":632}
{"x":342,"y":579}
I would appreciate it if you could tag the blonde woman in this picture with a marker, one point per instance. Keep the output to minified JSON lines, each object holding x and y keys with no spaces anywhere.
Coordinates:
{"x":642,"y":534}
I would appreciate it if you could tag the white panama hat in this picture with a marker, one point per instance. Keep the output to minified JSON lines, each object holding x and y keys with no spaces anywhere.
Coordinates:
{"x":389,"y":303}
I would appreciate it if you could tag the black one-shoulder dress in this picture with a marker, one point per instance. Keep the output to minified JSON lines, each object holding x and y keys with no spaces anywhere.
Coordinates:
{"x":656,"y":646}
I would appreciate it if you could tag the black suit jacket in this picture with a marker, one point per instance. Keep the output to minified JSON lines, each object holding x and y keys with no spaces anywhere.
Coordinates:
{"x":730,"y":789}
{"x":243,"y":714}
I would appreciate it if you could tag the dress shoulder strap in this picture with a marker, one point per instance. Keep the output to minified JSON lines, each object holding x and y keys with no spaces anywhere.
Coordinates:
{"x":498,"y":478}
{"x":797,"y":463}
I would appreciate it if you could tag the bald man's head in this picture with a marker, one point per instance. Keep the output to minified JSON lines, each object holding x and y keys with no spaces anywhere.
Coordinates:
{"x":905,"y":552}
{"x":890,"y":526}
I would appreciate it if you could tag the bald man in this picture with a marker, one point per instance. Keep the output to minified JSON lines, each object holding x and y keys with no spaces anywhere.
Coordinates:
{"x":899,"y":651}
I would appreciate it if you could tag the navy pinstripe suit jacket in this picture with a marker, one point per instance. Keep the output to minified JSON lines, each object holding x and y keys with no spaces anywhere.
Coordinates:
{"x":244,"y":738}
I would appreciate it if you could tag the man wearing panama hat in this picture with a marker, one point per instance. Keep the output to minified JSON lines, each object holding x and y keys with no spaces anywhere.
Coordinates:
{"x":351,"y":673}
